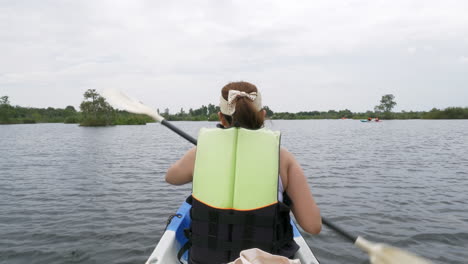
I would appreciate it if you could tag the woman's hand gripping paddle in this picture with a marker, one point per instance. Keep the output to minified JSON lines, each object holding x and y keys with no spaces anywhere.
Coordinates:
{"x":378,"y":253}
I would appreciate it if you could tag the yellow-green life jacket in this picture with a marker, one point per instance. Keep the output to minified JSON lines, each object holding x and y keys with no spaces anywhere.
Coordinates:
{"x":237,"y":168}
{"x":235,"y":196}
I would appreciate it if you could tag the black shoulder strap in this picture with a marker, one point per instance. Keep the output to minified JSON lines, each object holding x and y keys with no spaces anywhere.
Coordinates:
{"x":186,"y":246}
{"x":183,"y":249}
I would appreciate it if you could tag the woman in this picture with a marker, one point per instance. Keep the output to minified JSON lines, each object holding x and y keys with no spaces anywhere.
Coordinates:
{"x":239,"y":201}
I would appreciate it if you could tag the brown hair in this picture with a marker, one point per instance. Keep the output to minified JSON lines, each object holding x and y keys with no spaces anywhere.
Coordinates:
{"x":246,"y":115}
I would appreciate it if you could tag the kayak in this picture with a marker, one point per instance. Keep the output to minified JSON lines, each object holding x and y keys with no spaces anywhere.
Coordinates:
{"x":173,"y":239}
{"x":366,"y":121}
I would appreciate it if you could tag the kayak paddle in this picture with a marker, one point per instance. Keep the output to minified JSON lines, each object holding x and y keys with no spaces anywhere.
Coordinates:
{"x":120,"y":101}
{"x":378,"y":253}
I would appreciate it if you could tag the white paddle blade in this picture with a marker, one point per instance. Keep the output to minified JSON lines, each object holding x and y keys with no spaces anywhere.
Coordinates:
{"x":120,"y":101}
{"x":384,"y":254}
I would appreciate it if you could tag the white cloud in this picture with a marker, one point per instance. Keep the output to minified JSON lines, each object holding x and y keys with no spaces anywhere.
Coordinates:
{"x":322,"y":48}
{"x":412,"y":50}
{"x":463,"y":59}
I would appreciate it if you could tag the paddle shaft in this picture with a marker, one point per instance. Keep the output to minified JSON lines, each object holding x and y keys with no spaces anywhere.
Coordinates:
{"x":339,"y":230}
{"x":332,"y":226}
{"x":178,"y":131}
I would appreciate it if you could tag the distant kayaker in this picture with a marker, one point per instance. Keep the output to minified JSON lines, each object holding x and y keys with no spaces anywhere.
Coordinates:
{"x":369,"y":119}
{"x":238,"y":199}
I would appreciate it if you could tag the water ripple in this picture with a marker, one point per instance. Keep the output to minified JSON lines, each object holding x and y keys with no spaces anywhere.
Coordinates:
{"x":97,"y":195}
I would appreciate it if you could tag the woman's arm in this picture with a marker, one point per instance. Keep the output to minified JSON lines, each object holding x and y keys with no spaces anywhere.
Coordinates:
{"x":303,"y":206}
{"x":181,"y":171}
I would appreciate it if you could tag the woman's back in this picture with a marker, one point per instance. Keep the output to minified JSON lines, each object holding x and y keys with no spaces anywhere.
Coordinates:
{"x":240,"y":105}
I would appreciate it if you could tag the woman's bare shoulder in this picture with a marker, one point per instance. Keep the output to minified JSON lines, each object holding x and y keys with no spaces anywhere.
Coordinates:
{"x":285,"y":163}
{"x":286,"y":157}
{"x":284,"y":153}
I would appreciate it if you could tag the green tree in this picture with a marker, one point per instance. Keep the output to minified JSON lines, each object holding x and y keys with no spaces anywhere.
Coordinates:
{"x":70,"y":109}
{"x":70,"y":115}
{"x":96,"y":111}
{"x":4,"y":100}
{"x":387,"y":103}
{"x":268,"y":111}
{"x":166,"y":113}
{"x":345,"y":113}
{"x":5,"y":110}
{"x":213,"y":117}
{"x":181,"y":112}
{"x":212,"y":109}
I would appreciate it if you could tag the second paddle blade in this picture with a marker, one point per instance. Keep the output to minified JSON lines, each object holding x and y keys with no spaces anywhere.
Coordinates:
{"x":384,"y":254}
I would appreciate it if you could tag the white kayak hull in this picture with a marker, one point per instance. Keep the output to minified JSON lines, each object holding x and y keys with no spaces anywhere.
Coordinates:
{"x":173,"y":239}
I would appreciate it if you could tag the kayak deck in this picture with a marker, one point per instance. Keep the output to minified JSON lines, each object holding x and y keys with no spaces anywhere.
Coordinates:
{"x":173,"y":239}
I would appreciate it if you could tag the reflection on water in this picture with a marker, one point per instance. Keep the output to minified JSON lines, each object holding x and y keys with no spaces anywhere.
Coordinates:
{"x":70,"y":194}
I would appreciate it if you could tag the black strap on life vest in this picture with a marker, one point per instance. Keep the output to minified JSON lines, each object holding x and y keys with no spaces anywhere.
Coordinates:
{"x":183,"y":249}
{"x":225,"y":230}
{"x":187,"y":234}
{"x":232,"y":219}
{"x":281,"y":225}
{"x":222,"y":245}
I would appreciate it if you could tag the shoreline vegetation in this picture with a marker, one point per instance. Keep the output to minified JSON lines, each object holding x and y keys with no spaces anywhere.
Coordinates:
{"x":95,"y":111}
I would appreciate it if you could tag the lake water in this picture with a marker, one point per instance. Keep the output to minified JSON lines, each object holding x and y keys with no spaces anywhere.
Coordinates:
{"x":71,"y":194}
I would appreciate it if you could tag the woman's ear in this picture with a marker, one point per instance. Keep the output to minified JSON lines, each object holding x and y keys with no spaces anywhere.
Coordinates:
{"x":264,"y":113}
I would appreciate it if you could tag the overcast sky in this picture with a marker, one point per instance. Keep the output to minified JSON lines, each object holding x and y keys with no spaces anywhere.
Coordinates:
{"x":302,"y":55}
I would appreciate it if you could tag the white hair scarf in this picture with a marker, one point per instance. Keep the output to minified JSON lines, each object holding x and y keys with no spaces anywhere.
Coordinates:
{"x":228,"y":107}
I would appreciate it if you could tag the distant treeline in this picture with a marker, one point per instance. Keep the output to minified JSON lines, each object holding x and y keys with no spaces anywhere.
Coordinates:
{"x":209,"y":113}
{"x":447,"y":113}
{"x":92,"y":115}
{"x":28,"y":115}
{"x":204,"y":113}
